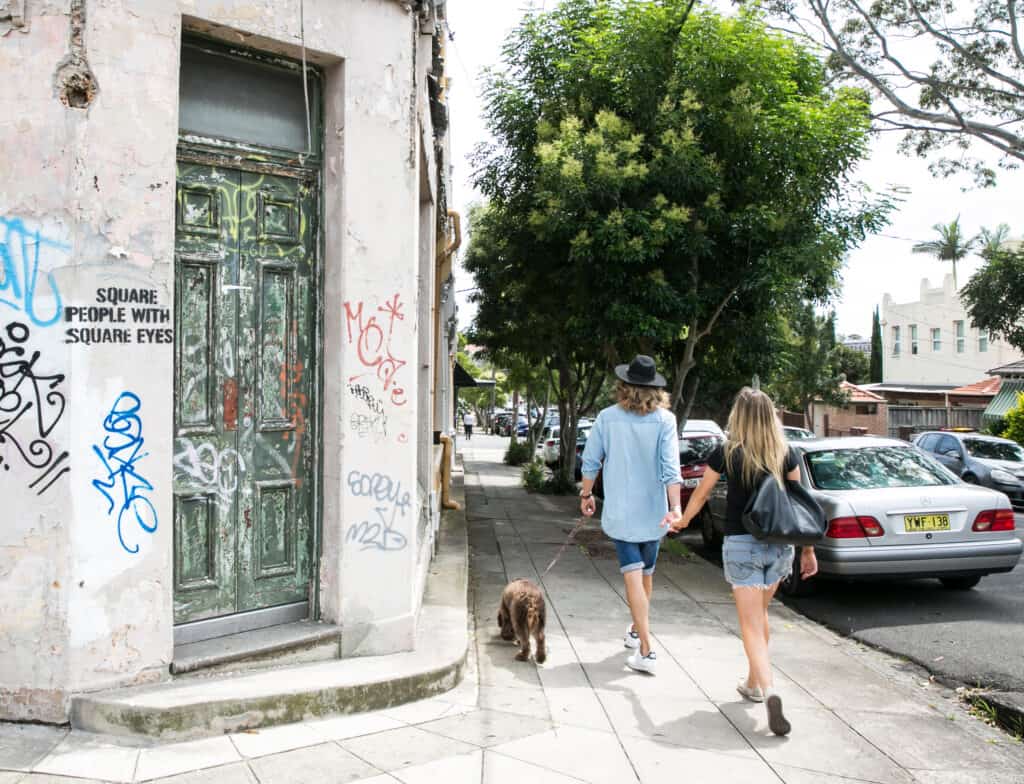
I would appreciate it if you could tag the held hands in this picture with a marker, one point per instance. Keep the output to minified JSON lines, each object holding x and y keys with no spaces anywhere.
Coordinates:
{"x":674,"y":521}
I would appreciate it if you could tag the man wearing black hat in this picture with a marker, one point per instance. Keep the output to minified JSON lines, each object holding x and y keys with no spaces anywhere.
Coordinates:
{"x":635,"y":446}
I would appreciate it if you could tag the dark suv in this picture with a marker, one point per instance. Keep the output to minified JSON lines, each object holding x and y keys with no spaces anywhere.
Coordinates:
{"x":981,"y":460}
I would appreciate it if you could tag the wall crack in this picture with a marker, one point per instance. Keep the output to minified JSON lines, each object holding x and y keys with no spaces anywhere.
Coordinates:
{"x":75,"y":81}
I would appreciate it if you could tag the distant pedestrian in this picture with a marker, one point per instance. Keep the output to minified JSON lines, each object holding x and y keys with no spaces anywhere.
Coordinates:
{"x":468,"y":420}
{"x":635,"y":447}
{"x":755,"y":448}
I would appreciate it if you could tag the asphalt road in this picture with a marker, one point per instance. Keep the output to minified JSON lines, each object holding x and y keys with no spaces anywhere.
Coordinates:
{"x":975,"y":637}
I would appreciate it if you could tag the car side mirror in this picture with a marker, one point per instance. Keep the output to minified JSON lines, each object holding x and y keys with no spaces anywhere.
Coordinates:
{"x":953,"y":454}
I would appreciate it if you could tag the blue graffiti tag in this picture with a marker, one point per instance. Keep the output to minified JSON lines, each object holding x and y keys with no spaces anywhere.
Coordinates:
{"x":18,"y":281}
{"x":120,"y":453}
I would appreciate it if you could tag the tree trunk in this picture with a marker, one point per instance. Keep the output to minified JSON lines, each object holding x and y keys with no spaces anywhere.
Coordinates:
{"x":682,"y":370}
{"x":690,"y":398}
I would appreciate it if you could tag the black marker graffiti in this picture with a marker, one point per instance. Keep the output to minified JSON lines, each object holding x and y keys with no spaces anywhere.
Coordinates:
{"x":31,"y":405}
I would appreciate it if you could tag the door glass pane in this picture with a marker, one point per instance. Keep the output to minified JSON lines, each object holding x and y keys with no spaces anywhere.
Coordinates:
{"x":242,"y":100}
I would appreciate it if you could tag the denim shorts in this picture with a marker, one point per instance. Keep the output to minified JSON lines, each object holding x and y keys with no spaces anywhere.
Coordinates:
{"x":749,"y":563}
{"x":637,"y":555}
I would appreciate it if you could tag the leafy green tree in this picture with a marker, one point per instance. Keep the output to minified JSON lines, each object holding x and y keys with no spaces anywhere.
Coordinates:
{"x":854,"y":365}
{"x":951,"y":244}
{"x":994,"y":297}
{"x":972,"y":88}
{"x":810,"y":365}
{"x":653,"y":172}
{"x":1014,"y":422}
{"x":877,"y":349}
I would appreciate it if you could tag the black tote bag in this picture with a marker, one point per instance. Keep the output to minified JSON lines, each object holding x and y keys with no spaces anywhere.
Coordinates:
{"x":786,"y":514}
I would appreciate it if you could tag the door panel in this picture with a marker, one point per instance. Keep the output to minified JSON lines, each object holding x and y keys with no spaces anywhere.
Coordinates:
{"x":245,"y":316}
{"x":206,"y":465}
{"x":276,"y":391}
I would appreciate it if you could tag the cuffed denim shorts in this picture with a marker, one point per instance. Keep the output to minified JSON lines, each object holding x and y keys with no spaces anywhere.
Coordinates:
{"x":637,"y":555}
{"x":749,"y":563}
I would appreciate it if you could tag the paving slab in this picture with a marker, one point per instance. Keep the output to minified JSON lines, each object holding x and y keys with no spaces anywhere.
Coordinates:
{"x":173,"y":758}
{"x":312,"y":765}
{"x":22,"y":745}
{"x":396,"y":749}
{"x":585,"y":754}
{"x":238,"y":773}
{"x":499,"y":769}
{"x":98,"y":757}
{"x":659,"y":763}
{"x":487,"y":728}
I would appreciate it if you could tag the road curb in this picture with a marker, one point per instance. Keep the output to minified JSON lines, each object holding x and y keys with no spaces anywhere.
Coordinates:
{"x":1005,"y":708}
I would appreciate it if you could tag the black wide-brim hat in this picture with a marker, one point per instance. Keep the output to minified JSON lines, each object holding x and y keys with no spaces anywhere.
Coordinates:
{"x":641,"y":372}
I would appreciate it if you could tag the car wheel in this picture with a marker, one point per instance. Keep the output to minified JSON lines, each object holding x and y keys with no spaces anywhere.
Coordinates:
{"x":971,"y":479}
{"x":960,"y":583}
{"x":709,"y":536}
{"x":795,"y":584}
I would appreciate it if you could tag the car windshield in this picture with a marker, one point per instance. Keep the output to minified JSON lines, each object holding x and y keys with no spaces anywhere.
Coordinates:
{"x":994,"y":450}
{"x":798,"y":434}
{"x":875,"y":467}
{"x":695,"y":449}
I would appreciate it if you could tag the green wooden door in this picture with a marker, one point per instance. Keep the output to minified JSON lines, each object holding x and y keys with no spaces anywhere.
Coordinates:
{"x":244,"y":446}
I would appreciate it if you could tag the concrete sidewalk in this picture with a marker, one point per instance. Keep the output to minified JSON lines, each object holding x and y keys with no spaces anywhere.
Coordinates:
{"x":583,"y":716}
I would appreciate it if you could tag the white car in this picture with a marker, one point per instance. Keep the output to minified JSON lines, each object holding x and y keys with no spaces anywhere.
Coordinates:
{"x":702,"y":426}
{"x":549,"y":448}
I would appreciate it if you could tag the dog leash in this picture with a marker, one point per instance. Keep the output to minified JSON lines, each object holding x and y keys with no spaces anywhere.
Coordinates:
{"x":580,"y":524}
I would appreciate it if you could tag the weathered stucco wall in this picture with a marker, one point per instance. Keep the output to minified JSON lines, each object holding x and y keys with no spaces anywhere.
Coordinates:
{"x":87,"y":181}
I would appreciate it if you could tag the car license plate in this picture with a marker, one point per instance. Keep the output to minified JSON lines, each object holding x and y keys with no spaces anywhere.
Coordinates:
{"x":928,"y":522}
{"x":691,"y":482}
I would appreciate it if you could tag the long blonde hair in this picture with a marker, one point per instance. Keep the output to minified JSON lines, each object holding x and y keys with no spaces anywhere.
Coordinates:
{"x":640,"y":400}
{"x":754,"y":427}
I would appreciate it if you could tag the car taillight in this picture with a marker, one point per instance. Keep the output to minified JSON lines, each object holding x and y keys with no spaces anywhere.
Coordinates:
{"x":994,"y":520}
{"x":854,"y":528}
{"x":550,"y":443}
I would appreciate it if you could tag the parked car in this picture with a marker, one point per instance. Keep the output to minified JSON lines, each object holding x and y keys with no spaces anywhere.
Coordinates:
{"x":549,"y":446}
{"x":894,"y":512}
{"x":702,"y":426}
{"x":522,"y":427}
{"x":797,"y":433}
{"x":694,"y":449}
{"x":978,"y":459}
{"x":501,"y":425}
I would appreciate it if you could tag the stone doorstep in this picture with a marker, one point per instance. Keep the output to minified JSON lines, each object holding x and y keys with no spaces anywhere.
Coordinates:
{"x":197,"y":707}
{"x":289,"y":643}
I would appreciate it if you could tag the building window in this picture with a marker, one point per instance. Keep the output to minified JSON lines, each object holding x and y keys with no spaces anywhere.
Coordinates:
{"x":866,"y":409}
{"x":895,"y":341}
{"x":913,"y":338}
{"x":936,"y":339}
{"x":958,"y":330}
{"x":982,"y":341}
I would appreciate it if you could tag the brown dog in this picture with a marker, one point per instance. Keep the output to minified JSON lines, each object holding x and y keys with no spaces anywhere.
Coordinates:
{"x":522,"y":615}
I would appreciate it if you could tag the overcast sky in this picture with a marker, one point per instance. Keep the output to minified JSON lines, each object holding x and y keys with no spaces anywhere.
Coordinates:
{"x":883,"y":264}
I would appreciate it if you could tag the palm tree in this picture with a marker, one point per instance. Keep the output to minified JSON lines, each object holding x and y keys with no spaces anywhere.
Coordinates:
{"x":951,"y":245}
{"x":992,"y":240}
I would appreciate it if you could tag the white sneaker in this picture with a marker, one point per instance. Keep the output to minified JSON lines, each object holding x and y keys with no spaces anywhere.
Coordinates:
{"x":632,"y":639}
{"x":648,"y":663}
{"x":752,"y":693}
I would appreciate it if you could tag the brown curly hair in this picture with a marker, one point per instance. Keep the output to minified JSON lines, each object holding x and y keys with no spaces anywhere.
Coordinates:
{"x":640,"y":400}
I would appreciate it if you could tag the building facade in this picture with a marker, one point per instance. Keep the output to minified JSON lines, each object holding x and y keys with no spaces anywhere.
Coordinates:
{"x":931,"y":341}
{"x":863,"y":413}
{"x":226,"y":329}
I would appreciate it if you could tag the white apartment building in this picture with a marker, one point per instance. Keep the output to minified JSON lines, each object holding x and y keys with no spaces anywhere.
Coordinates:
{"x":931,"y":341}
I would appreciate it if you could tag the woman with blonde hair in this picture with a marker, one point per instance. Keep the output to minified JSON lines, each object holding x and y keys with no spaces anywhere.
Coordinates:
{"x":635,"y":447}
{"x":756,"y":447}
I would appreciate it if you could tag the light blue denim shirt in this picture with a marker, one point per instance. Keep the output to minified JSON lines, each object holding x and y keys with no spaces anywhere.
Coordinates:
{"x":640,"y":454}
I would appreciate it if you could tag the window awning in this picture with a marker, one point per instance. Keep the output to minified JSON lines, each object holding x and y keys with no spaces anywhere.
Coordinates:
{"x":1005,"y":400}
{"x":462,"y":378}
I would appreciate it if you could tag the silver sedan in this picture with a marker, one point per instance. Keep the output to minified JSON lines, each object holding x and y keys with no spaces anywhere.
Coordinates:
{"x":895,"y":512}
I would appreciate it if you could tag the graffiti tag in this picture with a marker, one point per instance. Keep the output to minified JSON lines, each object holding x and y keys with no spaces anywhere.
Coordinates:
{"x":374,"y":423}
{"x":392,"y":501}
{"x":214,"y":470}
{"x":372,"y":340}
{"x":121,"y":451}
{"x":31,"y":405}
{"x":20,"y":251}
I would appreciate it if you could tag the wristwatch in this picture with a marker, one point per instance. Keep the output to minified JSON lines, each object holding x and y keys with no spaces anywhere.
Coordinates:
{"x":588,"y":495}
{"x":677,"y":509}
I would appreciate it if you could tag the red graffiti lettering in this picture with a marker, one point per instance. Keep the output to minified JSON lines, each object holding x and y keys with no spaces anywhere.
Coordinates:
{"x":373,"y":346}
